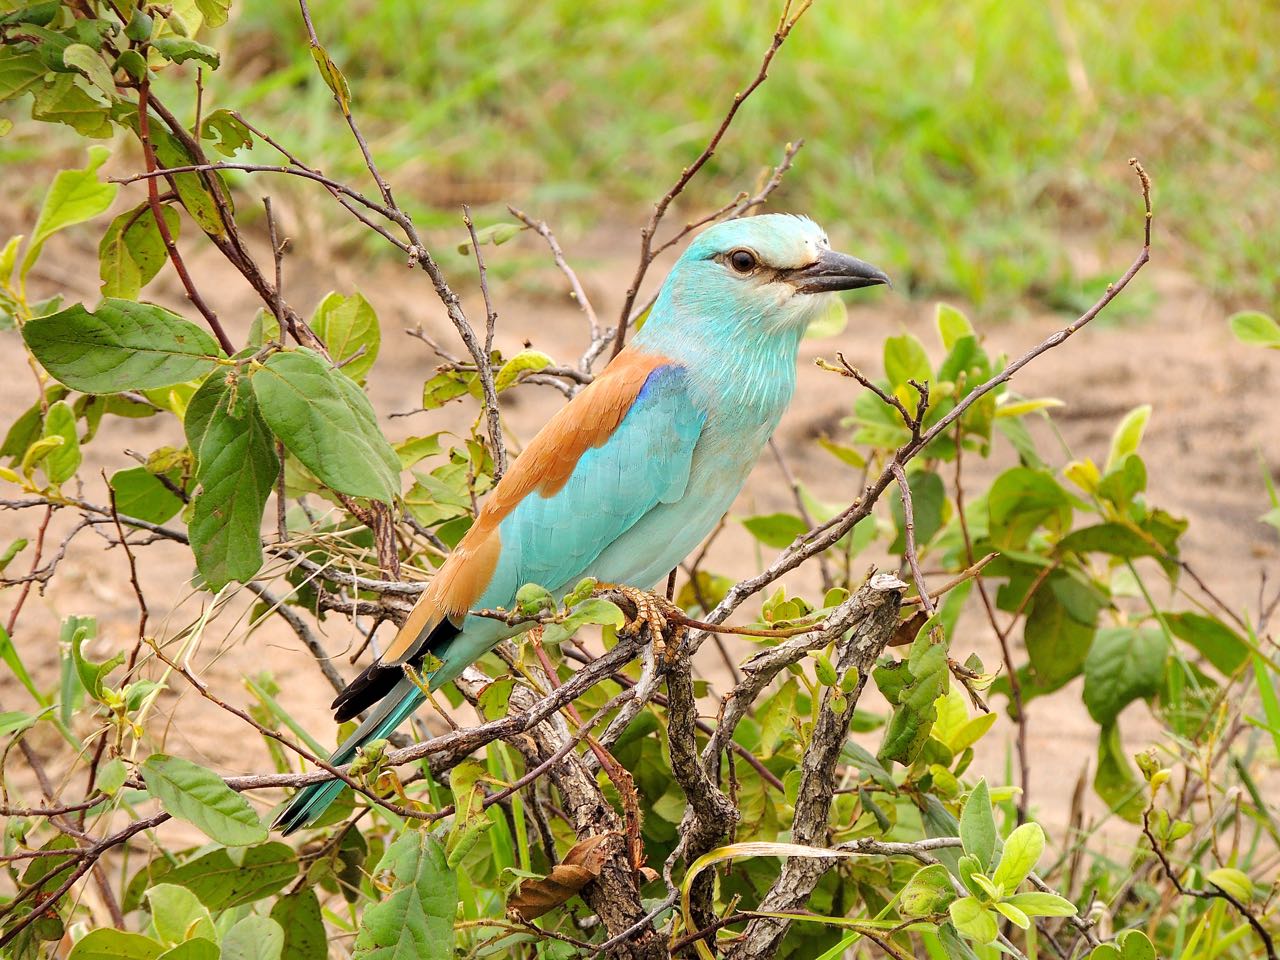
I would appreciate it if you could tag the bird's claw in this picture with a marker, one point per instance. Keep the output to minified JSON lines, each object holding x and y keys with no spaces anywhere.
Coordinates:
{"x":663,"y":618}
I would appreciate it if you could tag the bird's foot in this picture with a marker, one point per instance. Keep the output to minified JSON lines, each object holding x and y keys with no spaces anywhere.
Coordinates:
{"x":664,"y":620}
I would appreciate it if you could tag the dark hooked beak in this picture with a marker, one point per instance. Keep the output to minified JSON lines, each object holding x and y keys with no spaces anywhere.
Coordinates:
{"x":836,"y":271}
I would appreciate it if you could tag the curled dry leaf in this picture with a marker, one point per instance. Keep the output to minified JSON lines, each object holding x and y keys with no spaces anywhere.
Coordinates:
{"x":580,"y":866}
{"x":907,"y":630}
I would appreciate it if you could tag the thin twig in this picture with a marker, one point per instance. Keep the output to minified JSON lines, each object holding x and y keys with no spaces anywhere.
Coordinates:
{"x":153,"y":199}
{"x":785,"y":24}
{"x":496,"y":441}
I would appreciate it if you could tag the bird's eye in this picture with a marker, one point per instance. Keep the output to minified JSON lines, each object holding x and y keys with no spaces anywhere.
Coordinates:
{"x":744,"y":261}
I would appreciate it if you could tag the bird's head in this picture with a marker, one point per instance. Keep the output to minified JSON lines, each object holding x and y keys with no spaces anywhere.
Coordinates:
{"x":765,"y":274}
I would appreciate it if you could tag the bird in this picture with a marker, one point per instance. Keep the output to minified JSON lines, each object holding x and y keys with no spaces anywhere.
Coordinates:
{"x":629,"y":476}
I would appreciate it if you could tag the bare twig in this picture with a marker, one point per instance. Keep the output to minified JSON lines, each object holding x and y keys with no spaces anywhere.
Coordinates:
{"x":786,"y":22}
{"x":153,"y":199}
{"x":599,"y":339}
{"x":909,"y":534}
{"x":491,"y":318}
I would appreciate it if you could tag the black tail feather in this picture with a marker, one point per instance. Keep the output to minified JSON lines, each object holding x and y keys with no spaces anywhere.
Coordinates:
{"x":378,"y":679}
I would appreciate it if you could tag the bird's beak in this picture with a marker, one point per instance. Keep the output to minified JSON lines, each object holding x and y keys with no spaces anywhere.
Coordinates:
{"x":836,"y":271}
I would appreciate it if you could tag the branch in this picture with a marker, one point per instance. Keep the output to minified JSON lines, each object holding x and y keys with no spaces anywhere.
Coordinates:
{"x":856,"y":653}
{"x":485,"y":370}
{"x":599,"y":338}
{"x":153,"y":200}
{"x":785,"y":24}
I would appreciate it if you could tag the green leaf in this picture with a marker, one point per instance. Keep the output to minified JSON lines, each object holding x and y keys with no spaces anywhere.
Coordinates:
{"x":775,"y":716}
{"x":978,"y":825}
{"x":236,"y":467}
{"x":228,"y":132}
{"x":1128,"y":435}
{"x":140,"y":26}
{"x":182,"y":49}
{"x":139,"y":493}
{"x":1021,"y":500}
{"x":447,"y":386}
{"x":80,"y":629}
{"x":1056,"y":642}
{"x":82,"y":57}
{"x":214,"y":11}
{"x":1233,"y":881}
{"x":1218,"y":643}
{"x":914,"y":697}
{"x":929,"y":891}
{"x":905,"y":359}
{"x":1251,"y":327}
{"x":1114,"y":780}
{"x":74,"y":197}
{"x":928,"y":501}
{"x":121,"y":346}
{"x":63,"y":461}
{"x":952,"y":325}
{"x":1115,"y":539}
{"x":348,"y":325}
{"x":1134,"y":945}
{"x":326,"y":421}
{"x":178,"y":915}
{"x":509,"y":374}
{"x":9,"y":655}
{"x":131,"y":61}
{"x":414,"y":921}
{"x":253,"y":938}
{"x":1019,"y":857}
{"x":20,"y":71}
{"x":220,"y":882}
{"x":1020,"y":408}
{"x":189,"y":792}
{"x":496,"y":234}
{"x":775,"y":530}
{"x":132,"y":251}
{"x":197,"y":948}
{"x":61,"y":101}
{"x":974,"y":920}
{"x":413,"y":450}
{"x":1042,"y":904}
{"x":195,"y":196}
{"x":108,"y":944}
{"x":304,"y":934}
{"x":111,"y":775}
{"x":1124,"y":664}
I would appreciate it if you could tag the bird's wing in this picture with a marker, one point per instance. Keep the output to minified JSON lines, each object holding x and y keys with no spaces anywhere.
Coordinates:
{"x":619,"y":448}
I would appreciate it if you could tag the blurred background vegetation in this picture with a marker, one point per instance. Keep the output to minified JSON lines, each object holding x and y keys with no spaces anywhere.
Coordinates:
{"x":976,"y":148}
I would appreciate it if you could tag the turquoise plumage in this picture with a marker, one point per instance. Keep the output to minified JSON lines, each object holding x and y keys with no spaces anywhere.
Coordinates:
{"x":626,"y":479}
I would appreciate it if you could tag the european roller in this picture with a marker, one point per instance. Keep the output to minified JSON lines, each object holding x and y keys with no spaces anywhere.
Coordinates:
{"x":629,"y":476}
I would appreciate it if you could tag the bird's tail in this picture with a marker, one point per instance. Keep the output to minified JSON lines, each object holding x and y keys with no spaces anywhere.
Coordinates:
{"x":309,"y":803}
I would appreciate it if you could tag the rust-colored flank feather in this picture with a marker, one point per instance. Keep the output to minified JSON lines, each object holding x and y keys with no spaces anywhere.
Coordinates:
{"x":546,"y":464}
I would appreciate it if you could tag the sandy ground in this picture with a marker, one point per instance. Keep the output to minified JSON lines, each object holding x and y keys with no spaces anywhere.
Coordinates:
{"x":1215,"y":413}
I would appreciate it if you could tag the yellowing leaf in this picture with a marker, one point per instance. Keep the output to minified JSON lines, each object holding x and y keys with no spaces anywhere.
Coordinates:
{"x":1233,"y":881}
{"x":525,"y":360}
{"x":1128,"y":435}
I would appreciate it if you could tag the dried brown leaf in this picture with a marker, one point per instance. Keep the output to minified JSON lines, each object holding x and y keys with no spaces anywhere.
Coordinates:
{"x":580,"y":866}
